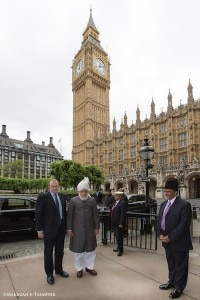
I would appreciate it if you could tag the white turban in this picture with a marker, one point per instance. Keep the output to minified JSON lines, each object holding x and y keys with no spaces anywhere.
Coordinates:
{"x":83,"y":185}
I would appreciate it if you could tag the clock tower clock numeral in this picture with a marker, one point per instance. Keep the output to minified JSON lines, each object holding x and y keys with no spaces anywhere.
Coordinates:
{"x":99,"y":66}
{"x":79,"y":67}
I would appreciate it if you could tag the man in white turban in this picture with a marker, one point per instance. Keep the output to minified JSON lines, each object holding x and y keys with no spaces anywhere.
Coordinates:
{"x":83,"y":225}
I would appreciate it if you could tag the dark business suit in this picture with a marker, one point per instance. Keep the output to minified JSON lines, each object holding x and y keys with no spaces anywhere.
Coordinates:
{"x":98,"y":197}
{"x":54,"y":228}
{"x":118,"y":217}
{"x":177,"y":227}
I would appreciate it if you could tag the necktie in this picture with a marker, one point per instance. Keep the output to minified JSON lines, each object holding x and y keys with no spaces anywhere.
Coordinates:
{"x":57,"y":204}
{"x":113,"y":207}
{"x":164,"y":215}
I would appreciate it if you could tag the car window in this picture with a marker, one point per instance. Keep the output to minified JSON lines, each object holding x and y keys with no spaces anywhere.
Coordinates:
{"x":135,"y":198}
{"x":4,"y":204}
{"x":1,"y":204}
{"x":140,"y":198}
{"x":18,"y":204}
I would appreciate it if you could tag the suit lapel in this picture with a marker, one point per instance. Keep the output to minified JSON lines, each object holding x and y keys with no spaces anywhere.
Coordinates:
{"x":163,"y":207}
{"x":174,"y":205}
{"x":117,"y":204}
{"x":52,"y":200}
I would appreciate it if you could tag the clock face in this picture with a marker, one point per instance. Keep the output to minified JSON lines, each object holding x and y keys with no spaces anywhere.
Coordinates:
{"x":99,"y":66}
{"x":79,"y":67}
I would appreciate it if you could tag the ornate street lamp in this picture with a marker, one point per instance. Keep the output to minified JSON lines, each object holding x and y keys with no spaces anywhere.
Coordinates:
{"x":147,"y":153}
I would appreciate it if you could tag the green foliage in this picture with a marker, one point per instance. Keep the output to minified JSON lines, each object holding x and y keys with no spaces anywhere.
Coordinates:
{"x":69,"y":173}
{"x":19,"y":185}
{"x":95,"y":175}
{"x":13,"y":169}
{"x":55,"y":170}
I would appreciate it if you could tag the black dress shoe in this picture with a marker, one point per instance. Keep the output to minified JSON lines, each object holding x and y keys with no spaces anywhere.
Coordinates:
{"x":91,"y":271}
{"x":175,"y":294}
{"x":119,"y":254}
{"x":115,"y":250}
{"x":50,"y":279}
{"x":63,"y":274}
{"x":166,"y":286}
{"x":79,"y":274}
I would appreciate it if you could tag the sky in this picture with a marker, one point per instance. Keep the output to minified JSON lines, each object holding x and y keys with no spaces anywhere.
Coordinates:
{"x":153,"y":46}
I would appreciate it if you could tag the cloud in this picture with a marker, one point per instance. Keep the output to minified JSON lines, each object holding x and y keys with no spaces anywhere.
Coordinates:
{"x":153,"y":46}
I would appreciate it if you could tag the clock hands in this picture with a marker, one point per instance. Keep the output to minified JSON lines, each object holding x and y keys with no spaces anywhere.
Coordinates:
{"x":79,"y":67}
{"x":100,"y":66}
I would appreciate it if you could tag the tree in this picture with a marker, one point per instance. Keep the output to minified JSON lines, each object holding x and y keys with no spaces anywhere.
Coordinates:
{"x":55,"y":170}
{"x":13,"y":169}
{"x":69,"y":173}
{"x":95,"y":175}
{"x":60,"y":171}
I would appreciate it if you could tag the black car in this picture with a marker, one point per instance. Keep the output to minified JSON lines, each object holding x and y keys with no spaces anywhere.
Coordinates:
{"x":135,"y":197}
{"x":17,"y":214}
{"x":137,"y":203}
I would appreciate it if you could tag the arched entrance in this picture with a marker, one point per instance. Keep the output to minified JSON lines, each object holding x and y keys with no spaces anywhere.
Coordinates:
{"x":194,"y":186}
{"x":107,"y":186}
{"x":119,"y":185}
{"x":152,"y":188}
{"x":133,"y":187}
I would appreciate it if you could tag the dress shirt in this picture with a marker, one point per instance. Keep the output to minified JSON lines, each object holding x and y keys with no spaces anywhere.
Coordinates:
{"x":171,"y":202}
{"x":59,"y":202}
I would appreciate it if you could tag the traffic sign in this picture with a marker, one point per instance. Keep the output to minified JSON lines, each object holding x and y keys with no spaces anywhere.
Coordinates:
{"x":145,"y":179}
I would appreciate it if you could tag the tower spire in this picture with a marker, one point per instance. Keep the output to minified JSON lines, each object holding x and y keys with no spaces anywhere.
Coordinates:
{"x":91,"y":32}
{"x":169,"y":97}
{"x":138,"y":115}
{"x":152,"y":109}
{"x":91,"y":21}
{"x":190,"y":94}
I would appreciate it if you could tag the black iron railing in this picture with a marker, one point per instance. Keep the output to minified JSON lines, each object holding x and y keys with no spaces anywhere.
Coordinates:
{"x":141,"y":227}
{"x":140,"y":231}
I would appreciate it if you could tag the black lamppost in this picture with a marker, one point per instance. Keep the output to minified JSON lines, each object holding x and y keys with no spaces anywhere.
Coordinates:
{"x":147,"y":153}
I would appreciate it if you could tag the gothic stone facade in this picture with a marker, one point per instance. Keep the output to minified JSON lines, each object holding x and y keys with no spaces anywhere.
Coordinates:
{"x":174,"y":134}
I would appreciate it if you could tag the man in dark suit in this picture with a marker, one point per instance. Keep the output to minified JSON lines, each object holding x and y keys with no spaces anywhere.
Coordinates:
{"x":51,"y":226}
{"x":98,"y":196}
{"x":118,"y":220}
{"x":109,"y":199}
{"x":174,"y":231}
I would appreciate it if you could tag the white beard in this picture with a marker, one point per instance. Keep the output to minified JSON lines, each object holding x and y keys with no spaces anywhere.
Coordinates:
{"x":83,"y":198}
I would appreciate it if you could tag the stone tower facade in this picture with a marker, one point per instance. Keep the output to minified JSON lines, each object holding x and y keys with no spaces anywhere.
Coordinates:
{"x":174,"y":133}
{"x":90,"y":85}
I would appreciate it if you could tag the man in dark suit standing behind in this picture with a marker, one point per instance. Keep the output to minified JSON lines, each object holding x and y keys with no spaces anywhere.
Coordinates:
{"x":51,"y":226}
{"x":174,"y":220}
{"x":118,"y":220}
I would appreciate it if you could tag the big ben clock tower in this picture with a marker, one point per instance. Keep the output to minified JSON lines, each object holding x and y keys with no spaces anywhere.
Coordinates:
{"x":90,"y":86}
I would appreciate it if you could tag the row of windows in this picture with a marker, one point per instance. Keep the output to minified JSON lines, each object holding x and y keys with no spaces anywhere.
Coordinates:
{"x":32,"y":155}
{"x":43,"y":160}
{"x":164,"y":160}
{"x":182,"y":142}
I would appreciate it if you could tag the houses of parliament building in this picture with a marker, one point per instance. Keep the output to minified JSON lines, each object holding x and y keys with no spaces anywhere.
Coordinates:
{"x":174,"y":134}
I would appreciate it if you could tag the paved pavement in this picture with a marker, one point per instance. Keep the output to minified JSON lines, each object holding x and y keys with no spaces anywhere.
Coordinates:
{"x":134,"y":276}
